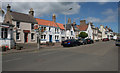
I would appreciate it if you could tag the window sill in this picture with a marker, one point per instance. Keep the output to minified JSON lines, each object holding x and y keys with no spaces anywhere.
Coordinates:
{"x":18,"y":40}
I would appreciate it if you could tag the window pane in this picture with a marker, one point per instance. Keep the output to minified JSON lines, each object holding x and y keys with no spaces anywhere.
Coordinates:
{"x":6,"y":33}
{"x":32,"y":35}
{"x":32,"y":26}
{"x":18,"y":25}
{"x":2,"y":33}
{"x":17,"y":35}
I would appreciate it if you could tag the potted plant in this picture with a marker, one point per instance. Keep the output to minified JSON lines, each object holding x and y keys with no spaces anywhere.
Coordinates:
{"x":7,"y":48}
{"x":4,"y":48}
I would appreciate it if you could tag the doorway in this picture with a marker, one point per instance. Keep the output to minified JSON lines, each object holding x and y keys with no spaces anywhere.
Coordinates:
{"x":26,"y":37}
{"x":50,"y":38}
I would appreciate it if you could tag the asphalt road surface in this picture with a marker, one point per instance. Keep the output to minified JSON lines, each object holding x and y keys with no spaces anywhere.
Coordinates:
{"x":100,"y":56}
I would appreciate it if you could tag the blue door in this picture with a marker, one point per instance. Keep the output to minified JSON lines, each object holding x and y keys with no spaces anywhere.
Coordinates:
{"x":50,"y":38}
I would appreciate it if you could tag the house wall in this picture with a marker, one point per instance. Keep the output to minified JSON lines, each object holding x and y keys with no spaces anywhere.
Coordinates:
{"x":68,"y":33}
{"x":90,"y":32}
{"x":51,"y":32}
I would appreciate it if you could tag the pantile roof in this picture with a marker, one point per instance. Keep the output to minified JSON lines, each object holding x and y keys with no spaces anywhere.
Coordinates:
{"x":61,"y":26}
{"x":46,"y":22}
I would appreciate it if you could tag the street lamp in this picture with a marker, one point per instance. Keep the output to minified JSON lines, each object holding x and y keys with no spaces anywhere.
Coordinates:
{"x":65,"y":21}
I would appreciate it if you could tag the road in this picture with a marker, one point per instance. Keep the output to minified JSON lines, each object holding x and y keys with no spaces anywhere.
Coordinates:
{"x":100,"y":56}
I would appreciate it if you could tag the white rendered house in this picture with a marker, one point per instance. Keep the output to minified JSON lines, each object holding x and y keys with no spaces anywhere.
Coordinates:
{"x":6,"y":35}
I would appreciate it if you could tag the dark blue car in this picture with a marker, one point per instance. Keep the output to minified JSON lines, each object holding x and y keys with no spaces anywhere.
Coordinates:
{"x":70,"y":43}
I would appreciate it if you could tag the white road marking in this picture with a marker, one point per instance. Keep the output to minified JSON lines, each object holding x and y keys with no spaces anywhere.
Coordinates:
{"x":13,"y":59}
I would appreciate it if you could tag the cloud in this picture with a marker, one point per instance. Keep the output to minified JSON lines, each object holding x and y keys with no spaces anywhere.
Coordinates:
{"x":44,"y":8}
{"x":102,"y":3}
{"x":109,"y":14}
{"x":93,"y":19}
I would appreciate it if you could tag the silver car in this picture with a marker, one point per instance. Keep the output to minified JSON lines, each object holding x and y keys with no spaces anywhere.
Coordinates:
{"x":117,"y":43}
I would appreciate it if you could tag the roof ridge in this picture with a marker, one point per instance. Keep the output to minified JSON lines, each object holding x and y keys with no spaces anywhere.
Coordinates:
{"x":44,"y":19}
{"x":20,"y":13}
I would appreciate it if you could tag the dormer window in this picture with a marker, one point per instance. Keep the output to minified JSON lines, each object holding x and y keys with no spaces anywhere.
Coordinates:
{"x":18,"y":24}
{"x":32,"y":26}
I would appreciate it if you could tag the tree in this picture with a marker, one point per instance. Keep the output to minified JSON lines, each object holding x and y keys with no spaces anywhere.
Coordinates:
{"x":83,"y":35}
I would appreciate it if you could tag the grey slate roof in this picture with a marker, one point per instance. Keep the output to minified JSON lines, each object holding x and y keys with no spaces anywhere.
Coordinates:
{"x":22,"y":17}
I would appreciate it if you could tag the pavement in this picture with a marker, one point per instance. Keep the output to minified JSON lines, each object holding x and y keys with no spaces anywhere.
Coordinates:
{"x":100,"y":56}
{"x":31,"y":47}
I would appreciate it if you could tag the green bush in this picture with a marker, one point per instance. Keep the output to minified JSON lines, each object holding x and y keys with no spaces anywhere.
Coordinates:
{"x":83,"y":35}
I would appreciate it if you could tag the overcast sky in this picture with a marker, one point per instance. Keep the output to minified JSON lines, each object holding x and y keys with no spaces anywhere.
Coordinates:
{"x":100,"y":13}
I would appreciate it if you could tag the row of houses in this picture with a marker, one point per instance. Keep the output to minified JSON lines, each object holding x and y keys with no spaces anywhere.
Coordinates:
{"x":21,"y":28}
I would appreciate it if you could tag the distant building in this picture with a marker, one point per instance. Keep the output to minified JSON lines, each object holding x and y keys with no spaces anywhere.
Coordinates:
{"x":76,"y":30}
{"x":103,"y":30}
{"x":109,"y":33}
{"x":83,"y":27}
{"x":23,"y":30}
{"x":99,"y":34}
{"x":70,"y":34}
{"x":95,"y":31}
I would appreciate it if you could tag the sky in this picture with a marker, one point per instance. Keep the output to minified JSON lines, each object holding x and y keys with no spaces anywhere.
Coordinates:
{"x":100,"y":13}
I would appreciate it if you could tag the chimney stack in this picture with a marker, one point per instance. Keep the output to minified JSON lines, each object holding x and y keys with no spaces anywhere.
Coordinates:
{"x":8,"y":7}
{"x":82,"y":22}
{"x":54,"y":17}
{"x":69,"y":21}
{"x":31,"y":12}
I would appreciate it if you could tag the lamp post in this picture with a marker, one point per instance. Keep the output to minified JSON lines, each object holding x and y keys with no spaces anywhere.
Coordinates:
{"x":65,"y":21}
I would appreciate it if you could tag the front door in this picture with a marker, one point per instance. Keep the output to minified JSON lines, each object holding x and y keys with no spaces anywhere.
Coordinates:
{"x":26,"y":37}
{"x":50,"y":38}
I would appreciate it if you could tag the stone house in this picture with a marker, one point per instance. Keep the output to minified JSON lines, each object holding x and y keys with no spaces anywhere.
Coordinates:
{"x":23,"y":30}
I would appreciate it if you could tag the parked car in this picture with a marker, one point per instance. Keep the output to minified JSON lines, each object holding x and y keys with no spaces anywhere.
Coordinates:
{"x":89,"y":41}
{"x":117,"y":43}
{"x":105,"y":39}
{"x":70,"y":42}
{"x":83,"y":41}
{"x":78,"y":42}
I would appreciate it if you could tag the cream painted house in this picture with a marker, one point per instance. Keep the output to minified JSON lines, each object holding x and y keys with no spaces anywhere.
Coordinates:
{"x":23,"y":30}
{"x":103,"y":30}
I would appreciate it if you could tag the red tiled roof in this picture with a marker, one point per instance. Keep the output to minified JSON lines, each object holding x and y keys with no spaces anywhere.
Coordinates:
{"x":61,"y":26}
{"x":82,"y":27}
{"x":46,"y":22}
